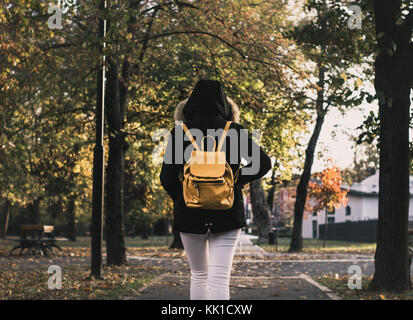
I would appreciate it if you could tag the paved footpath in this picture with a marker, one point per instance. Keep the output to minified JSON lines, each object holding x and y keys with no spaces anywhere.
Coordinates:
{"x":256,"y":275}
{"x":176,"y":287}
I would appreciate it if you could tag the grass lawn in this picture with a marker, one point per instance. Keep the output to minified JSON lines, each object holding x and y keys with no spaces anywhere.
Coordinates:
{"x":316,"y":246}
{"x":136,"y":242}
{"x":17,"y":282}
{"x":340,"y":286}
{"x":118,"y":283}
{"x":83,"y":244}
{"x":163,"y":243}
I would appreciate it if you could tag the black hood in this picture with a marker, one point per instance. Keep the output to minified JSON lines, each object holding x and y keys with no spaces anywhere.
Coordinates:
{"x":207,"y":99}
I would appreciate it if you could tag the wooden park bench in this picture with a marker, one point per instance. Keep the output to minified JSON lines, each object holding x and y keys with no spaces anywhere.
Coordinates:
{"x":36,"y":238}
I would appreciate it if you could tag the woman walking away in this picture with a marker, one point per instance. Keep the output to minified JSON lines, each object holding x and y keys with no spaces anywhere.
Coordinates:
{"x":209,"y":230}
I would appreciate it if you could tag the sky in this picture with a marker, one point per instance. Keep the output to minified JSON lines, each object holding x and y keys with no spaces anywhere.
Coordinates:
{"x":334,"y":140}
{"x":339,"y":146}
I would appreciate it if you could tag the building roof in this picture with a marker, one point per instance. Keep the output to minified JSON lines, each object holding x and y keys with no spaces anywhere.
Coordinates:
{"x":370,"y":186}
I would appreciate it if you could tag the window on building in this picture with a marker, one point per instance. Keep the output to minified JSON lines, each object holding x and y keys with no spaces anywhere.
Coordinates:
{"x":315,"y":213}
{"x":314,"y":229}
{"x":331,"y":220}
{"x":348,"y":211}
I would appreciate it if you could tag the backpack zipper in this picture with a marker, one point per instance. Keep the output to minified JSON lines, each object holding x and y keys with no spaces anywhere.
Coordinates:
{"x":219,"y":180}
{"x":209,"y":182}
{"x":208,"y":225}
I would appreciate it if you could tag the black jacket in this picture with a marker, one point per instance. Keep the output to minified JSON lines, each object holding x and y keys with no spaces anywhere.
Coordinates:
{"x":200,"y":220}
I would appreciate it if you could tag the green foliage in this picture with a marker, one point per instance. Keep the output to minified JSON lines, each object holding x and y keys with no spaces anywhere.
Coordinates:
{"x":48,"y":92}
{"x":325,"y":38}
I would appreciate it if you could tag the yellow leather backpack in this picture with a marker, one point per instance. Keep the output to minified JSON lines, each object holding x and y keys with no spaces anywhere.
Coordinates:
{"x":207,"y":178}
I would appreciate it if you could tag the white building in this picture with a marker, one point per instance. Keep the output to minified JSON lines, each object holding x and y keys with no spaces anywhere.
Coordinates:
{"x":362,"y":204}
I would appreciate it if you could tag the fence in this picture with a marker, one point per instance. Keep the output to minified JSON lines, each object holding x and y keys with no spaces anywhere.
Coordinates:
{"x":357,"y":231}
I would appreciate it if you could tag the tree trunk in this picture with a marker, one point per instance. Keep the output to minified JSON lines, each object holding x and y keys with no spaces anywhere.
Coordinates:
{"x":71,"y":224}
{"x":7,"y":209}
{"x":296,"y":244}
{"x":260,"y":211}
{"x":34,"y":211}
{"x":114,"y":222}
{"x":117,"y":94}
{"x":393,"y":73}
{"x":55,"y":209}
{"x":271,"y":192}
{"x":145,"y":231}
{"x":325,"y":228}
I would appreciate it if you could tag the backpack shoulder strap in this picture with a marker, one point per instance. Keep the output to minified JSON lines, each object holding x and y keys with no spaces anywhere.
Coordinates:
{"x":190,"y":136}
{"x":224,"y":134}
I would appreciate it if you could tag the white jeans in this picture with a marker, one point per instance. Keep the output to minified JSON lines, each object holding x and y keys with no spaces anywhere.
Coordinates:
{"x":210,"y":258}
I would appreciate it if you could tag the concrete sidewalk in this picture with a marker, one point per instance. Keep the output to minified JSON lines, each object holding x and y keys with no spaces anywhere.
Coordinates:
{"x":260,"y":284}
{"x":246,"y":247}
{"x":301,"y":287}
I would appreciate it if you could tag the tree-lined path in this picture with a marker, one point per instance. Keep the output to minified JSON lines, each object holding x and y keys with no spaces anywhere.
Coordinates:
{"x":256,"y":275}
{"x":88,"y":91}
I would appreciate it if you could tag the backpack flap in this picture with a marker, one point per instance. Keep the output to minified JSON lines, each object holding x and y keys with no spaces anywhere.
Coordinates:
{"x":207,"y":164}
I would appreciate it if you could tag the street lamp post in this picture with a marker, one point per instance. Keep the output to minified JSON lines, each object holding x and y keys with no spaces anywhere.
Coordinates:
{"x":99,"y":159}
